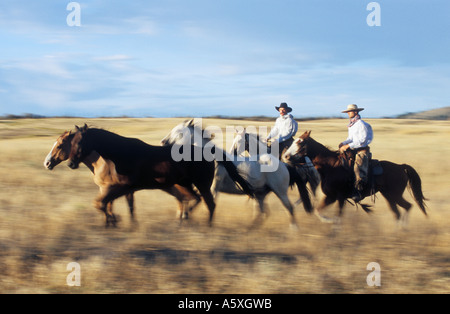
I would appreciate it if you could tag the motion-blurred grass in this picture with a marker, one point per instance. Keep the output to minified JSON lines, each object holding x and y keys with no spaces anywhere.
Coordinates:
{"x":47,"y":221}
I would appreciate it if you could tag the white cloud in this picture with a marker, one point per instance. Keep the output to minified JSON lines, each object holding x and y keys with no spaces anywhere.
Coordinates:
{"x":47,"y":65}
{"x":117,"y":57}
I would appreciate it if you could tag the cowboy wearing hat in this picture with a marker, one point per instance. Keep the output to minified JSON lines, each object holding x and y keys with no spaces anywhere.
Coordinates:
{"x":360,"y":135}
{"x":285,"y":128}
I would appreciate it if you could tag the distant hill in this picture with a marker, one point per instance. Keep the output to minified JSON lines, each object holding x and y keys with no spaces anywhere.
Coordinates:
{"x":434,"y":114}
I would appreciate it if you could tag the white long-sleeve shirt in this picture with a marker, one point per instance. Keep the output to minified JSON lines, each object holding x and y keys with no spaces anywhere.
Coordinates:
{"x":285,"y":128}
{"x":360,"y":135}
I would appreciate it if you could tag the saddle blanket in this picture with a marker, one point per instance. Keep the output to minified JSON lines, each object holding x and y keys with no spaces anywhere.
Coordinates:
{"x":377,"y":170}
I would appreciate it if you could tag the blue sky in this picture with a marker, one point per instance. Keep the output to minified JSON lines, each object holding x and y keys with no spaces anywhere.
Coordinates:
{"x":199,"y":58}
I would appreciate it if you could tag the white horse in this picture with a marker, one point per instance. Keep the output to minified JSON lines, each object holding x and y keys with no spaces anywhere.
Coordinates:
{"x":262,"y":182}
{"x":250,"y":144}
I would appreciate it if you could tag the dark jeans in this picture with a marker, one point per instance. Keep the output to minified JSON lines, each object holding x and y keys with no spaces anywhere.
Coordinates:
{"x":283,"y":146}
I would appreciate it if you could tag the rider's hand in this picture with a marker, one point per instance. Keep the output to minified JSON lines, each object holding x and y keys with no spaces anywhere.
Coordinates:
{"x":343,"y":148}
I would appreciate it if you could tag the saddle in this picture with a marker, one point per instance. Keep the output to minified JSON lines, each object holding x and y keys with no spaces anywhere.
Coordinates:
{"x":375,"y":167}
{"x":348,"y":161}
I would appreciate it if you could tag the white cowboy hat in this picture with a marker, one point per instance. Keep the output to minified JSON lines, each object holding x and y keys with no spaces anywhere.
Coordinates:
{"x":353,"y":107}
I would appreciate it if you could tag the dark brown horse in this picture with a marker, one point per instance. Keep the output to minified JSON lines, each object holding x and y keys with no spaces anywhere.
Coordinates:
{"x":337,"y":179}
{"x":105,"y":174}
{"x":143,"y":166}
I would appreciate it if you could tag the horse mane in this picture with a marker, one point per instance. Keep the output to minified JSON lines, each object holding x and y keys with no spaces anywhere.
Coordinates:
{"x":321,"y":149}
{"x":254,"y":135}
{"x":197,"y":126}
{"x":123,"y":151}
{"x":208,"y":136}
{"x":117,"y":139}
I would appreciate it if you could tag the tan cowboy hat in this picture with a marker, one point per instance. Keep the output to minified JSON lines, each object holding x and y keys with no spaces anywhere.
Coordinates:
{"x":353,"y":107}
{"x":285,"y":106}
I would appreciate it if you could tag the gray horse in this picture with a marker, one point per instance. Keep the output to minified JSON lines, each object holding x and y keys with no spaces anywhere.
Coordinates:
{"x":263,"y":182}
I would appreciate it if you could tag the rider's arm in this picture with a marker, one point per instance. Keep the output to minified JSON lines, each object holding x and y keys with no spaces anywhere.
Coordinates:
{"x":289,"y":129}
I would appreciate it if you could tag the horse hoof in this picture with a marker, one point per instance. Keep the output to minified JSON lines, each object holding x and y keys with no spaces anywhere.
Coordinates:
{"x":325,"y":219}
{"x":294,"y":227}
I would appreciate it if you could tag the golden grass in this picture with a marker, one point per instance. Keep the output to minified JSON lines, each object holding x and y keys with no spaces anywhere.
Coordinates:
{"x":47,"y":221}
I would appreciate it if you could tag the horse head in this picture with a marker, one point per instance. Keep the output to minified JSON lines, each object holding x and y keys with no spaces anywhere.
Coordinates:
{"x":247,"y":142}
{"x":188,"y":133}
{"x":79,"y":149}
{"x":299,"y":147}
{"x":60,"y":150}
{"x":179,"y":135}
{"x":239,"y":145}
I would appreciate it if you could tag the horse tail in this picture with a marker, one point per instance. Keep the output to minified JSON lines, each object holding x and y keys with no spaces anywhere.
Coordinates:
{"x":236,"y":177}
{"x":295,"y":178}
{"x":415,"y":184}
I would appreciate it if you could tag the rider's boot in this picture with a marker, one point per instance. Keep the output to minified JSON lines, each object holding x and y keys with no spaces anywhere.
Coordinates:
{"x":357,"y":195}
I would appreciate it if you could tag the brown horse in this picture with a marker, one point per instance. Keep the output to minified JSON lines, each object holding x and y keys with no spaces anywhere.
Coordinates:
{"x":143,"y":166}
{"x":337,"y":179}
{"x":105,"y":174}
{"x":103,"y":170}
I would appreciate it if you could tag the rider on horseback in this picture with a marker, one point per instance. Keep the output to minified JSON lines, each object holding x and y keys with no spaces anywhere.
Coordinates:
{"x":285,"y":128}
{"x":360,"y":135}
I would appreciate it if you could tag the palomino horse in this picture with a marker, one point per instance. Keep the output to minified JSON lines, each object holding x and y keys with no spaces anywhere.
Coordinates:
{"x":337,"y":179}
{"x":143,"y":166}
{"x":103,"y":170}
{"x":105,"y":174}
{"x":262,"y":182}
{"x":250,"y":144}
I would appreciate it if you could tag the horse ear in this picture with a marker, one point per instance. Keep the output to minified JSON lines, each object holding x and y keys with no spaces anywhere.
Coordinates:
{"x":308,"y":133}
{"x":190,"y":122}
{"x":82,"y":129}
{"x":239,"y":130}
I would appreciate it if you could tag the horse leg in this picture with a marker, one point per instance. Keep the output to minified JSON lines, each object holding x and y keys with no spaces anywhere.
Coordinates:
{"x":341,"y":202}
{"x":190,"y":195}
{"x":130,"y":201}
{"x":177,"y":192}
{"x":184,"y":195}
{"x":109,"y":213}
{"x":183,"y":213}
{"x":407,"y":206}
{"x":106,"y":208}
{"x":287,"y":203}
{"x":209,"y":200}
{"x":326,"y":201}
{"x":260,"y":211}
{"x":205,"y":192}
{"x":99,"y":204}
{"x":108,"y":196}
{"x":393,"y":205}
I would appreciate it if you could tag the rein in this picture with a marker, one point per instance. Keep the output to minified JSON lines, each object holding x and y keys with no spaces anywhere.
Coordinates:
{"x":346,"y":159}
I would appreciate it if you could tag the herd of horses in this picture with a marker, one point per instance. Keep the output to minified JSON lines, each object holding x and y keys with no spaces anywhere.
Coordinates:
{"x":122,"y":165}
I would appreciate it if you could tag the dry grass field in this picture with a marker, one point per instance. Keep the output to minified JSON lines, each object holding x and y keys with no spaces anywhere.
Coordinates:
{"x":47,"y":221}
